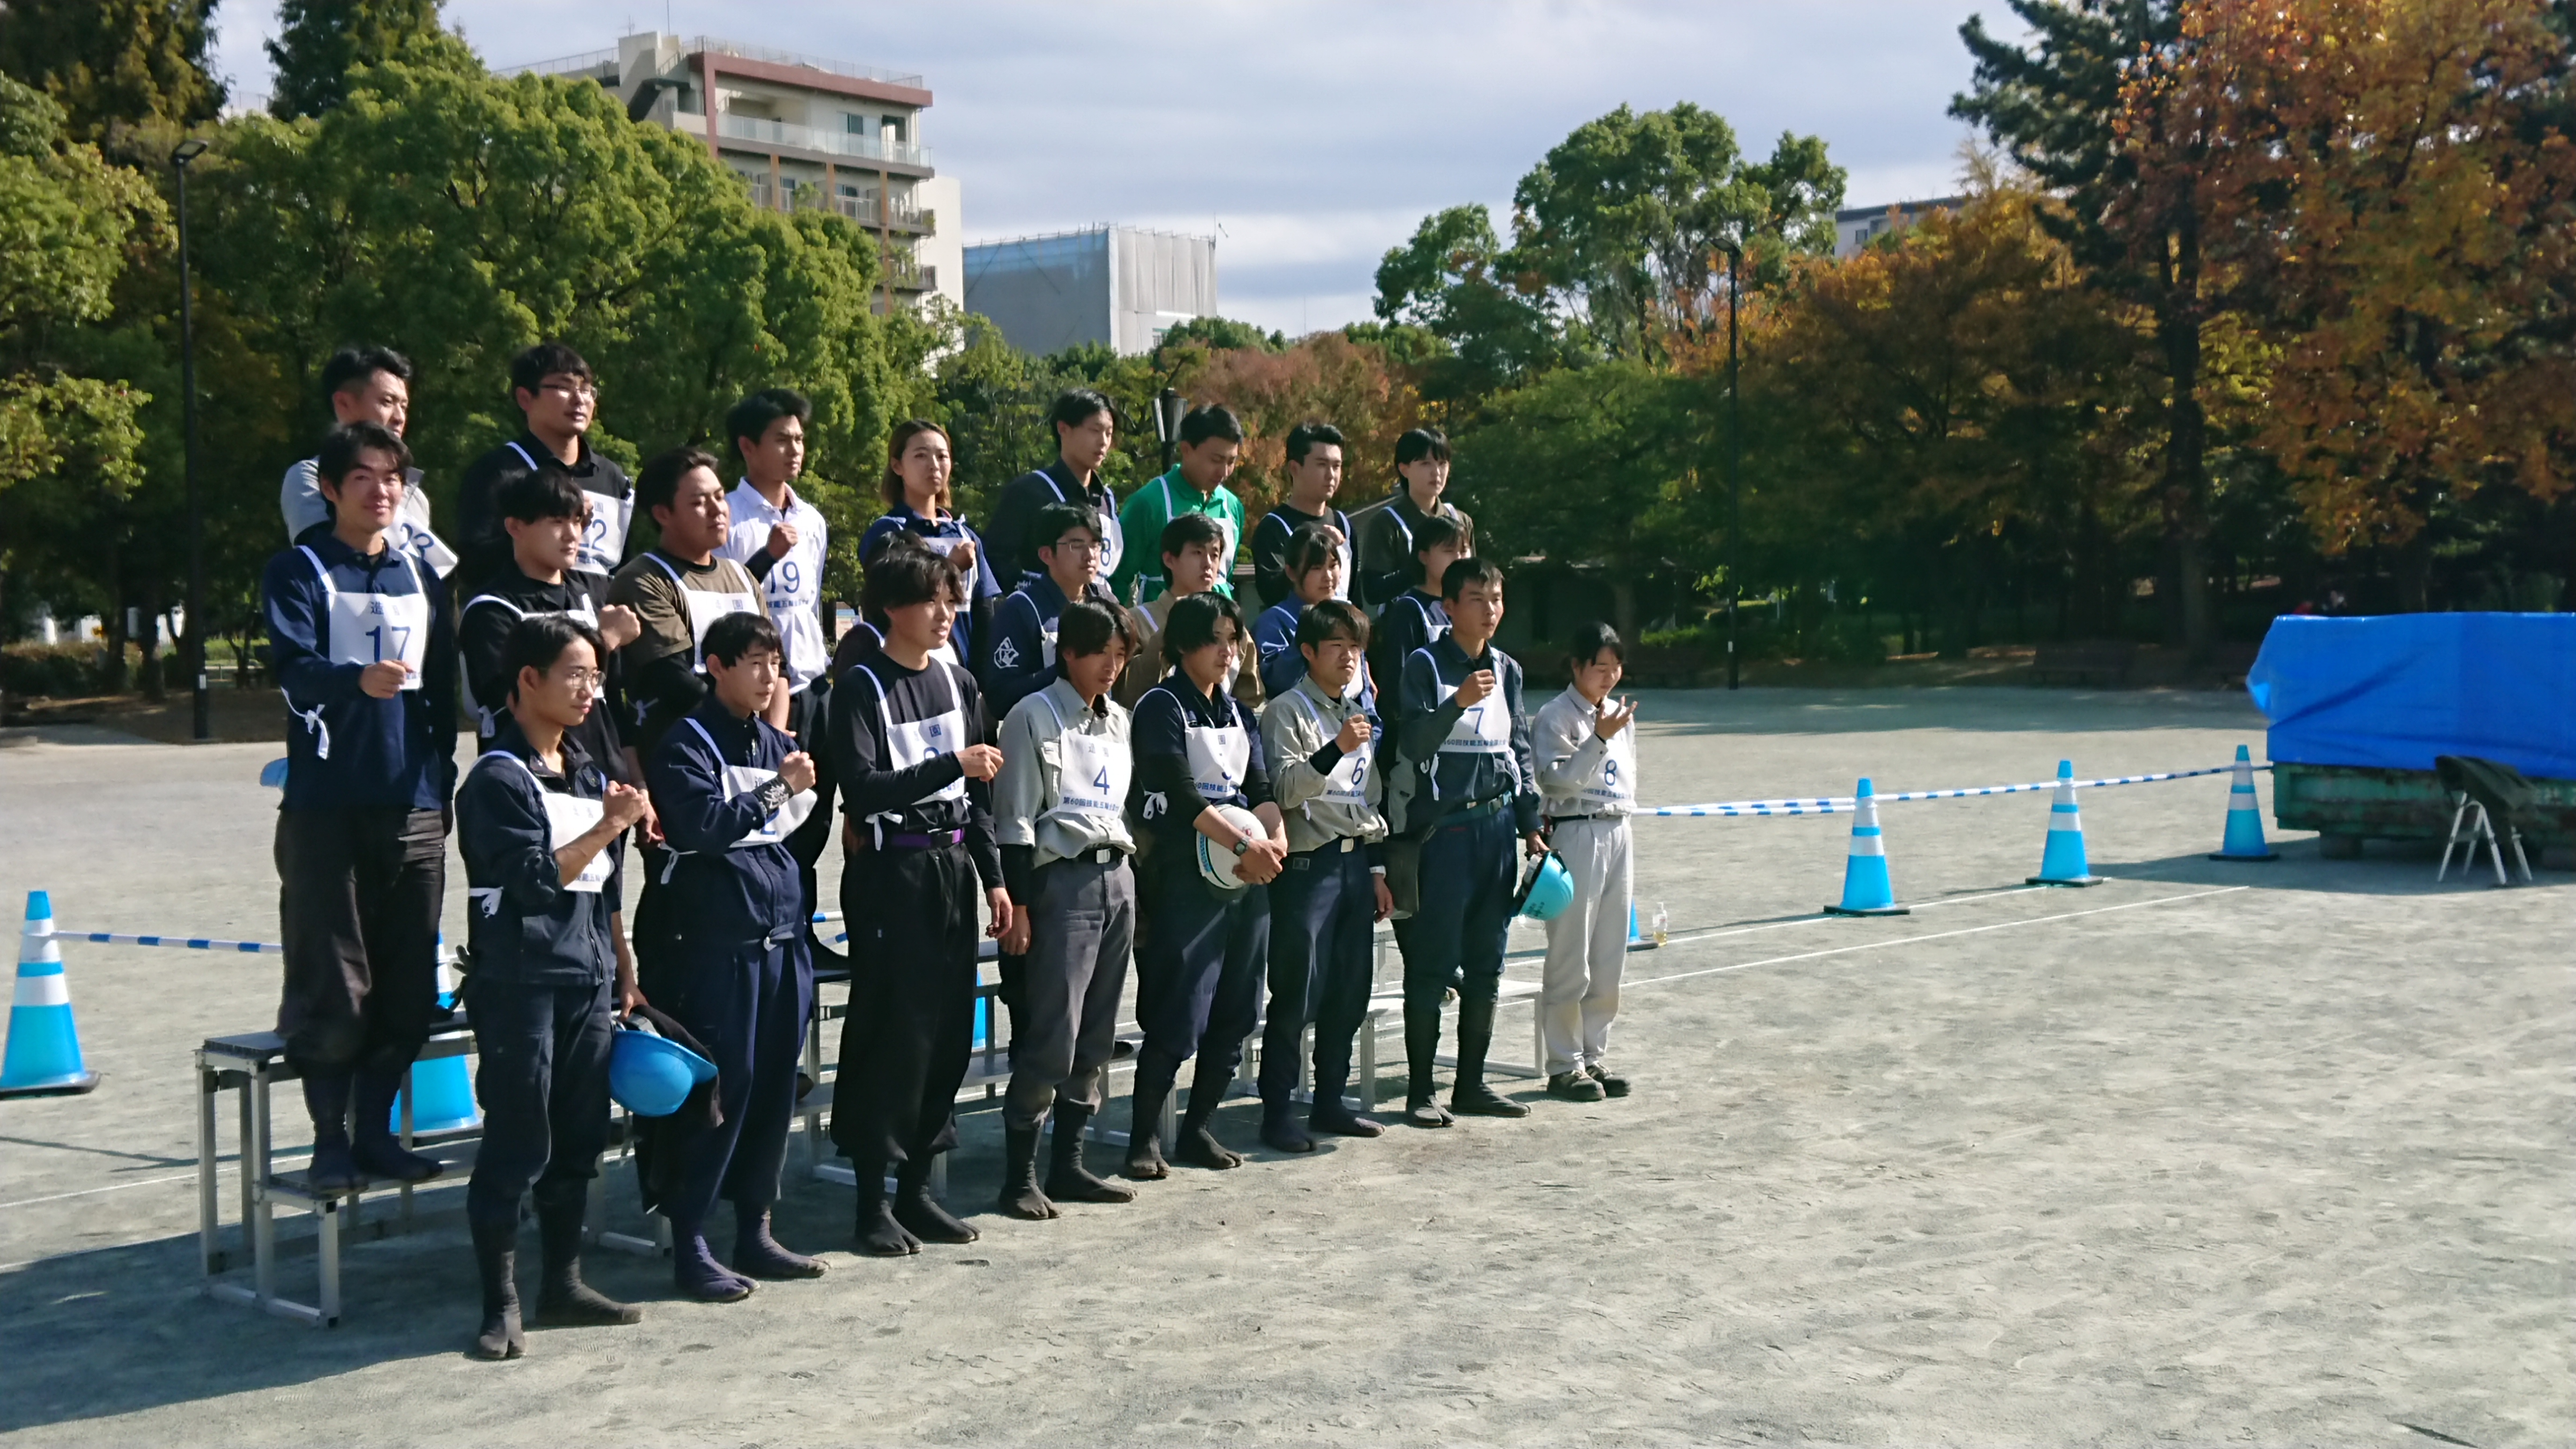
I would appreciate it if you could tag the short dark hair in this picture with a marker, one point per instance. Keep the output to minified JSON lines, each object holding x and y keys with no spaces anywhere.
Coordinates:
{"x":531,"y":496}
{"x":1421,"y":443}
{"x":1077,"y":406}
{"x":530,"y":369}
{"x":1328,"y":619}
{"x":1589,"y":640}
{"x":1088,"y":627}
{"x":538,"y":640}
{"x":342,"y":445}
{"x":1193,"y":624}
{"x":1213,"y":421}
{"x":1310,"y":547}
{"x":659,"y":483}
{"x":751,"y":417}
{"x":1473,"y":569}
{"x":1187,"y":529}
{"x":735,"y":636}
{"x":352,"y":367}
{"x":1433,"y":532}
{"x":903,"y":577}
{"x":1303,"y":438}
{"x":1055,"y":520}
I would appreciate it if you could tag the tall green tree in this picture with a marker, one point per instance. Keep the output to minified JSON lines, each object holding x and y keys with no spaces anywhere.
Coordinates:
{"x":1631,"y":215}
{"x":114,"y":63}
{"x":2057,"y":104}
{"x":1452,"y":282}
{"x":320,"y":41}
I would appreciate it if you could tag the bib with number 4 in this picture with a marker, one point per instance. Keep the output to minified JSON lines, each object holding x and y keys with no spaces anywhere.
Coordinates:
{"x":1091,"y":770}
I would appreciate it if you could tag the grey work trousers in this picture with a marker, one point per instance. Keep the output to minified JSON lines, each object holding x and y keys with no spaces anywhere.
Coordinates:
{"x":1082,"y":926}
{"x":1587,"y":944}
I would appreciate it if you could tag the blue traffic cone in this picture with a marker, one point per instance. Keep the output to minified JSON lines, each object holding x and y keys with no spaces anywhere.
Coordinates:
{"x":2062,"y":863}
{"x":1866,"y":891}
{"x":2244,"y":839}
{"x":44,"y":1058}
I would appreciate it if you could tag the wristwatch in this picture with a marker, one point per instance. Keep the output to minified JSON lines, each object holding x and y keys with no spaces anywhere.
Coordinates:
{"x":1243,"y":847}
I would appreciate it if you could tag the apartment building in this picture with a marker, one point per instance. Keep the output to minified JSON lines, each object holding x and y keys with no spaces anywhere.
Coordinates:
{"x":803,"y":132}
{"x":1856,"y":226}
{"x":1114,"y":284}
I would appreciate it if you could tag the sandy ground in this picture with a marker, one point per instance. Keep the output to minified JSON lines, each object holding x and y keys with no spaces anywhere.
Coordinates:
{"x":2213,"y":1153}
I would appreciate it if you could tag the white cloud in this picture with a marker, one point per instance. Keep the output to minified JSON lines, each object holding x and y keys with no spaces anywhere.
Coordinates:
{"x":1316,"y":134}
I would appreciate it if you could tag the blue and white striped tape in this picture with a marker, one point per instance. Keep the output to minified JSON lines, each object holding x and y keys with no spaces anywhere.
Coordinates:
{"x":207,"y":943}
{"x":1842,"y":805}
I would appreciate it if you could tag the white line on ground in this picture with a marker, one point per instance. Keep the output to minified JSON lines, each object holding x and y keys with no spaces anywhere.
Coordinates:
{"x":112,"y":1187}
{"x":1933,"y":936}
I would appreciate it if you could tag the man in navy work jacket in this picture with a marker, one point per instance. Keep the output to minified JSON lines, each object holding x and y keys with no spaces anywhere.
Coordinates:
{"x":730,"y":788}
{"x":364,"y":644}
{"x":1084,"y":426}
{"x":1022,"y":659}
{"x":1467,"y":738}
{"x":542,"y":829}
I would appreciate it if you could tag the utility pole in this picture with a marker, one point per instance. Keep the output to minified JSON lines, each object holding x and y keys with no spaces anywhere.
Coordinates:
{"x":203,"y":702}
{"x":1734,"y":480}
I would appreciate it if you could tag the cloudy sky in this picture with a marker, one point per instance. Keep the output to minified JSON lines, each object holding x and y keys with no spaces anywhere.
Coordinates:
{"x":1307,"y":137}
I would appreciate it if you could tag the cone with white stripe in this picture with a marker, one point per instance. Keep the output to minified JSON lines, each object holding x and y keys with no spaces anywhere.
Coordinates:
{"x":2062,"y":862}
{"x":1866,"y":889}
{"x":2244,"y":838}
{"x":44,"y":1057}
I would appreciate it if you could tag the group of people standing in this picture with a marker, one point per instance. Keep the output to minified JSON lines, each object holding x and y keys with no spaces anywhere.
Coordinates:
{"x":1043,"y":733}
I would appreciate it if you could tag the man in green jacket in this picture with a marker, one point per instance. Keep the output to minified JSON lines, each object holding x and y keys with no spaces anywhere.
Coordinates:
{"x":1211,"y":443}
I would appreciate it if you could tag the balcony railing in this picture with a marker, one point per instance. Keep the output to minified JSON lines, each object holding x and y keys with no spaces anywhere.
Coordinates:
{"x":813,"y":62}
{"x":792,"y":195}
{"x":566,"y":64}
{"x":866,"y":211}
{"x":830,"y":143}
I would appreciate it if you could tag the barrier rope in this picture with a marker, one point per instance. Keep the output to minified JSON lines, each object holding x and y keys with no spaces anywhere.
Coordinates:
{"x":1843,"y":804}
{"x":248,"y":948}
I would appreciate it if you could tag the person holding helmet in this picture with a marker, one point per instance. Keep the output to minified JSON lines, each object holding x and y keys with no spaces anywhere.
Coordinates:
{"x":542,"y":827}
{"x":1587,"y":784}
{"x":730,"y":787}
{"x":1200,"y":773}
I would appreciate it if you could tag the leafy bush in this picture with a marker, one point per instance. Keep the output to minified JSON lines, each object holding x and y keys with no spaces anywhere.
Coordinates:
{"x":52,"y":669}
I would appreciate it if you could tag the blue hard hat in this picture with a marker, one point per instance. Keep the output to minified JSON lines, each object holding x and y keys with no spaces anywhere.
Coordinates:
{"x":1547,"y":889}
{"x":651,"y":1075}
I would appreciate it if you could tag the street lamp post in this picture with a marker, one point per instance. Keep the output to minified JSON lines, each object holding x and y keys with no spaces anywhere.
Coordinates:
{"x":203,"y":703}
{"x":1168,"y":408}
{"x":1734,"y":479}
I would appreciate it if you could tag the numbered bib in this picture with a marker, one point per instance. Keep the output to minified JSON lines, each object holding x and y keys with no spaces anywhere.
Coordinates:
{"x":705,"y":606}
{"x":917,"y":742}
{"x":488,"y":716}
{"x":1615,"y":782}
{"x":364,"y":629}
{"x":1113,"y":539}
{"x":1219,"y":757}
{"x":741,"y":780}
{"x":1091,"y":770}
{"x":569,"y":817}
{"x":1483,"y":728}
{"x":1348,"y":783}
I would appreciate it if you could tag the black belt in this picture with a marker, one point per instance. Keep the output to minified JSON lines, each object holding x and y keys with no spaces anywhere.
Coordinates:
{"x":1603,"y":815}
{"x":1480,"y":809}
{"x":1094,"y":855}
{"x":1342,"y":846}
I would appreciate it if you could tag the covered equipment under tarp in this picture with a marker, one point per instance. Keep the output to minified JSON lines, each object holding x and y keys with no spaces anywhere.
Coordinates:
{"x":2395,"y":692}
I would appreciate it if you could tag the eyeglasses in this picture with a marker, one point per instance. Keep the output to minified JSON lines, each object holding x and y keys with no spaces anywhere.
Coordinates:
{"x":583,"y":678}
{"x":1077,"y":546}
{"x":581,"y":389}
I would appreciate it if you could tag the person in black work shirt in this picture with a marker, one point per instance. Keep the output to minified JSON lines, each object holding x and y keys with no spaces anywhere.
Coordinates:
{"x":1199,"y":966}
{"x":1022,"y":659}
{"x":541,"y":828}
{"x":1388,"y":529}
{"x":915,"y":761}
{"x":730,"y":787}
{"x":1314,"y":475}
{"x":555,"y":389}
{"x":1467,"y":738}
{"x":1085,"y":426}
{"x":363,"y":640}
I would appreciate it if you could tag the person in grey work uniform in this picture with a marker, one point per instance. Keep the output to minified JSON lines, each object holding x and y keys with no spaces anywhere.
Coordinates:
{"x":1060,"y":813}
{"x":1587,"y":785}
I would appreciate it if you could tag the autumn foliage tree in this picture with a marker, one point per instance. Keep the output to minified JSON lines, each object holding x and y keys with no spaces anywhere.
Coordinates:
{"x":2393,"y":185}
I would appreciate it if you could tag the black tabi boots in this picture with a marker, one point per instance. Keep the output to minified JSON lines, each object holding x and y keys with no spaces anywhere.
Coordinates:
{"x":1471,"y":1097}
{"x":1067,"y":1179}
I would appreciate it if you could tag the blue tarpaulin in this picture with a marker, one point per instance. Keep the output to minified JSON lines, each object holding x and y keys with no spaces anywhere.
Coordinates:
{"x":2396,"y":691}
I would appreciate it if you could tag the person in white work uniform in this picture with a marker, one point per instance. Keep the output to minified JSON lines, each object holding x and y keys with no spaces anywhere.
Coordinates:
{"x":366,"y":385}
{"x":781,"y":540}
{"x":1587,"y":784}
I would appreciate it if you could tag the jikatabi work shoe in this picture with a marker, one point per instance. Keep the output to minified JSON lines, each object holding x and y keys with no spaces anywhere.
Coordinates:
{"x":496,"y":1259}
{"x":877,"y":1232}
{"x":326,"y":1098}
{"x":1067,"y":1179}
{"x":1470,"y":1097}
{"x":1334,"y":1119}
{"x":695,"y":1269}
{"x":757,"y":1255}
{"x":373,"y":1146}
{"x":1281,"y":1129}
{"x":1145,"y":1136}
{"x":563,"y":1300}
{"x":1021,"y":1197}
{"x":921,"y":1214}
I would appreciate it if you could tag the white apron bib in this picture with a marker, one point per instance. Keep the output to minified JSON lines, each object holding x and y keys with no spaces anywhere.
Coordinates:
{"x":1092,"y":771}
{"x":603,"y":539}
{"x":487,"y":717}
{"x":705,"y":606}
{"x":740,"y":780}
{"x":1614,"y":785}
{"x":917,"y":742}
{"x":366,"y":629}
